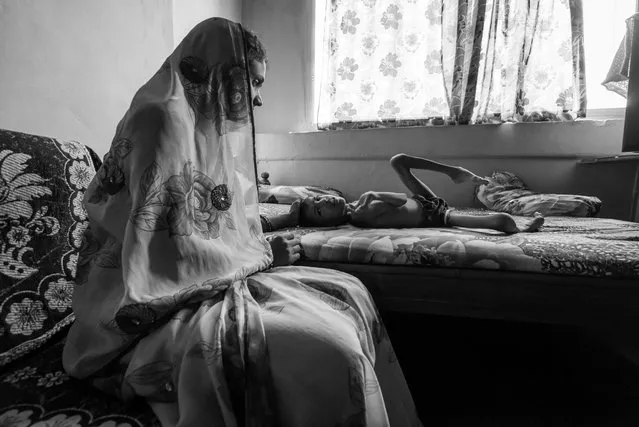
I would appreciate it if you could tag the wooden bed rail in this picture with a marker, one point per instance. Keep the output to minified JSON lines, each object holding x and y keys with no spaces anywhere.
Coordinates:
{"x":501,"y":295}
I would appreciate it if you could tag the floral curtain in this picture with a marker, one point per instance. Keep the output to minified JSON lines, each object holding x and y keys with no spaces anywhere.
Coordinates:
{"x":420,"y":62}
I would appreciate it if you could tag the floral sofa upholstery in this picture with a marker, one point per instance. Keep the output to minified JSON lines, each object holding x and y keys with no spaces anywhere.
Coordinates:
{"x":42,"y":220}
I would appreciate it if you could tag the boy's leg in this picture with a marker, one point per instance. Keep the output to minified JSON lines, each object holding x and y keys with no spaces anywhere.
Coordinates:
{"x":497,"y":221}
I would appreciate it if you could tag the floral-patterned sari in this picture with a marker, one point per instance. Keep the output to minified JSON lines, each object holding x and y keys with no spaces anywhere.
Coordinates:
{"x":175,"y":301}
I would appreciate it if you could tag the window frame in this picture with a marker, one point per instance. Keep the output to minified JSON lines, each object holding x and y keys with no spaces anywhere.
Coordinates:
{"x":319,"y":10}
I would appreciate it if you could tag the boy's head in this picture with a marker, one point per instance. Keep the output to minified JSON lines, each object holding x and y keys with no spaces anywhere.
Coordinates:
{"x":323,"y":211}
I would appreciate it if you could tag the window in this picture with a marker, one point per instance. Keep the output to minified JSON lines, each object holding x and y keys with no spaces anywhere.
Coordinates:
{"x":551,"y":86}
{"x":604,"y":29}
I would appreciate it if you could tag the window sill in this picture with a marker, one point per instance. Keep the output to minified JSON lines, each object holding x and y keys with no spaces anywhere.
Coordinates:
{"x":606,"y":114}
{"x":624,"y":157}
{"x":596,"y":120}
{"x":558,"y":140}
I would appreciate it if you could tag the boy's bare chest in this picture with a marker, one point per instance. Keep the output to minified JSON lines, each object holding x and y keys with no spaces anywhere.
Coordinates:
{"x":379,"y":214}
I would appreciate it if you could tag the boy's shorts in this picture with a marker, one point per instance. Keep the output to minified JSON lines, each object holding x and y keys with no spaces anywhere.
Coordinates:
{"x":434,"y":211}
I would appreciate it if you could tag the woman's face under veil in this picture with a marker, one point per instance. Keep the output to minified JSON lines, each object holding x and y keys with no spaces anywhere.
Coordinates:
{"x":257,"y":75}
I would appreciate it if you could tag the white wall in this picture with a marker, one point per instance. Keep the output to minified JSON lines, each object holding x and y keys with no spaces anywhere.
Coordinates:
{"x":286,"y":28}
{"x":69,"y":68}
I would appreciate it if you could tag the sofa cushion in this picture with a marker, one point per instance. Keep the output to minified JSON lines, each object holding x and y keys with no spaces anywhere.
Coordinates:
{"x":42,"y":220}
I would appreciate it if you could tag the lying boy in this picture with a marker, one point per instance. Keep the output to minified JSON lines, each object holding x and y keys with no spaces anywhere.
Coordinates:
{"x":397,"y":210}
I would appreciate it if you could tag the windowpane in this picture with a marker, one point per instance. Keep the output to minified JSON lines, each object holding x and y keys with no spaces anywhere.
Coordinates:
{"x":604,"y":29}
{"x":472,"y":61}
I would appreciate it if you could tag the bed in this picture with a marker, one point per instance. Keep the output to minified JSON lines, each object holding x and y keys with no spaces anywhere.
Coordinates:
{"x":581,"y":271}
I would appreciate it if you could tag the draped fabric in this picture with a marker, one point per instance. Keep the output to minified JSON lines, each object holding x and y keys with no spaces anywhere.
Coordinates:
{"x":176,"y":191}
{"x":174,"y":301}
{"x":391,"y":62}
{"x":617,"y":78}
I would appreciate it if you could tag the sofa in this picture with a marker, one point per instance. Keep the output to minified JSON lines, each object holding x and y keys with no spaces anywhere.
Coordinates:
{"x":42,"y":220}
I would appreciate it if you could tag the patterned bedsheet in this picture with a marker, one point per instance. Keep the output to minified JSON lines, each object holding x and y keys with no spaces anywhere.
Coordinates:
{"x":596,"y":247}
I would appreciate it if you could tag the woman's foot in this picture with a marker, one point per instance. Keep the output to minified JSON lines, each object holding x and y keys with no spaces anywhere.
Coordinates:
{"x":506,"y":223}
{"x":461,"y":175}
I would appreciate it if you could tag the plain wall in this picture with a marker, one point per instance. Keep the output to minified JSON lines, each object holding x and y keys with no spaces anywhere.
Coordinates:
{"x":545,"y":155}
{"x":69,"y":68}
{"x":286,"y":28}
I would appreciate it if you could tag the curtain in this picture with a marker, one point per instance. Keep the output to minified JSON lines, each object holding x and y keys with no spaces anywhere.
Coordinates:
{"x":425,"y":62}
{"x":617,"y":78}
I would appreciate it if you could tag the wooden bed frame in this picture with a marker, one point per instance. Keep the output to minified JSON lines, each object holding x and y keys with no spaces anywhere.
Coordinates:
{"x":502,"y":295}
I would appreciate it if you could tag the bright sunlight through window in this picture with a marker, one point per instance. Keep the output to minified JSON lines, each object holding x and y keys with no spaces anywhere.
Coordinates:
{"x":604,"y":25}
{"x":604,"y":28}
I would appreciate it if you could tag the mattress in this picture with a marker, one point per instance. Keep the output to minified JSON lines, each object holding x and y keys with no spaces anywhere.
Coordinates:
{"x":593,"y":247}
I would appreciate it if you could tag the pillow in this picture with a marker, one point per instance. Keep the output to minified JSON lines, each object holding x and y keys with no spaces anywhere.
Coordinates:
{"x":271,"y":210}
{"x":287,"y":194}
{"x":508,"y":193}
{"x":42,"y":220}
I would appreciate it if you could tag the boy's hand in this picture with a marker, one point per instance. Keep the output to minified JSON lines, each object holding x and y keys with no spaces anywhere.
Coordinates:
{"x":294,"y":214}
{"x":464,"y":175}
{"x":367,"y":215}
{"x":366,"y":199}
{"x":478,"y":180}
{"x":286,"y":249}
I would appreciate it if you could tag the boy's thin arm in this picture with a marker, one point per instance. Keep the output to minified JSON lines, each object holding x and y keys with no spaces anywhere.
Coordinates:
{"x":284,"y":220}
{"x":402,"y":164}
{"x":413,"y":162}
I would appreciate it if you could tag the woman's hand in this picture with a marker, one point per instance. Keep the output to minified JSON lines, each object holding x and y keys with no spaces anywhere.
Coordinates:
{"x":286,"y":249}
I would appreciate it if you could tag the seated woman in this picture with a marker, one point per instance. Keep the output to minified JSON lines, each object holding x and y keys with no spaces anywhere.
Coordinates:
{"x":397,"y":210}
{"x":190,"y":313}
